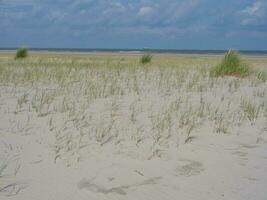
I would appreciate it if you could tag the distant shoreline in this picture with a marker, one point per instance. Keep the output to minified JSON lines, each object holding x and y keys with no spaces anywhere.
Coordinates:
{"x":134,"y":51}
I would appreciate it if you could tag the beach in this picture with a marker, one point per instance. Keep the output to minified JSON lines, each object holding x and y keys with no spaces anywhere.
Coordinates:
{"x":104,"y":126}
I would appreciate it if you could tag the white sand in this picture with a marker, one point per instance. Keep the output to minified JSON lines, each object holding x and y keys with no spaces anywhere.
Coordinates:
{"x":209,"y":166}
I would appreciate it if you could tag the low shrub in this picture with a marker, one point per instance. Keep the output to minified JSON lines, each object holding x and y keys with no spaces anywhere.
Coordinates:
{"x":231,"y":65}
{"x":146,"y":58}
{"x":21,"y":53}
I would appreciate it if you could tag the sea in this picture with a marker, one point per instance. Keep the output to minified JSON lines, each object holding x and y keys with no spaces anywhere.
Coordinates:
{"x":140,"y":51}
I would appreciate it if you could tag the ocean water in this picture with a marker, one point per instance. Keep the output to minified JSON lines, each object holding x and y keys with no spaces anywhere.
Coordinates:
{"x":160,"y":51}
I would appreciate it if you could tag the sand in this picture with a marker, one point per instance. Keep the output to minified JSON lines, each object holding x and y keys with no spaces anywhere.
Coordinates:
{"x":122,"y":160}
{"x":212,"y":167}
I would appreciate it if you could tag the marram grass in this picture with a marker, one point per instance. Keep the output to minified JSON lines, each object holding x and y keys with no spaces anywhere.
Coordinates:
{"x":21,"y":53}
{"x":231,"y":65}
{"x":146,"y":59}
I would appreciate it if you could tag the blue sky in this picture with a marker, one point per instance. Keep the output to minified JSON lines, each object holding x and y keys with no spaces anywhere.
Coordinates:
{"x":171,"y":24}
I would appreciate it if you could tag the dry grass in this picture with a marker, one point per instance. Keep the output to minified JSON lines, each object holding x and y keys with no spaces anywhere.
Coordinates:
{"x":94,"y":100}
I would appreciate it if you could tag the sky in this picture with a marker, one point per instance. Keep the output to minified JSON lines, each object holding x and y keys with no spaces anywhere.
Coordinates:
{"x":164,"y":24}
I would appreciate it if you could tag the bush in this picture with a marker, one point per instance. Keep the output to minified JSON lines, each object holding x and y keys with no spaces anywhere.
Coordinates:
{"x":231,"y":65}
{"x":146,"y":59}
{"x":21,"y":53}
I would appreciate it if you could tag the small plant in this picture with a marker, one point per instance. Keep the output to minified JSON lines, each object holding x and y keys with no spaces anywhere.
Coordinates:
{"x":262,"y":76}
{"x":251,"y":110}
{"x":189,"y":131}
{"x":7,"y":185}
{"x":146,"y":58}
{"x":21,"y":53}
{"x":221,"y":126}
{"x":231,"y":65}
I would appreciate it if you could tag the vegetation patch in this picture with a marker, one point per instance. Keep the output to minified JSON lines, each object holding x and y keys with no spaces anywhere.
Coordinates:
{"x":21,"y":53}
{"x":231,"y":65}
{"x":262,"y":76}
{"x":146,"y":58}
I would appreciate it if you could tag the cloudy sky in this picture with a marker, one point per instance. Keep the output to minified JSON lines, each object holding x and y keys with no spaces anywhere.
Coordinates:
{"x":171,"y":24}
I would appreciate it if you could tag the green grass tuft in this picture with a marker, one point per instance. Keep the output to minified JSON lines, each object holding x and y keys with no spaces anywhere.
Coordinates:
{"x":262,"y":76}
{"x":231,"y":65}
{"x":146,"y":58}
{"x":21,"y":53}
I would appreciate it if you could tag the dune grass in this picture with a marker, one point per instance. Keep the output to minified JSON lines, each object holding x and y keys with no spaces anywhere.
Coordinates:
{"x":21,"y":53}
{"x":8,"y":184}
{"x":146,"y":58}
{"x":93,"y":99}
{"x":261,"y":75}
{"x":231,"y":65}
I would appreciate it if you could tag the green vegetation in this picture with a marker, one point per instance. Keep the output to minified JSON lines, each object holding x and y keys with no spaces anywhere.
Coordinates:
{"x":21,"y":53}
{"x":262,"y":76}
{"x":167,"y":101}
{"x":3,"y":166}
{"x":231,"y":65}
{"x":251,"y":110}
{"x":146,"y":58}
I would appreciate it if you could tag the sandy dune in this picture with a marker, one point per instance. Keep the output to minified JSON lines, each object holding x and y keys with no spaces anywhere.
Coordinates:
{"x":212,"y":167}
{"x":156,"y":138}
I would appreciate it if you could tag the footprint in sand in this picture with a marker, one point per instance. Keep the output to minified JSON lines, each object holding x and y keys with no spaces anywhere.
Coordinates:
{"x":241,"y":154}
{"x":249,"y":146}
{"x":189,"y":168}
{"x":120,"y":190}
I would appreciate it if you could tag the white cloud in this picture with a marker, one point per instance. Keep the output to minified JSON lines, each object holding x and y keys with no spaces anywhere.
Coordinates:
{"x":145,"y":11}
{"x":254,"y":9}
{"x":56,"y":15}
{"x":256,"y":14}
